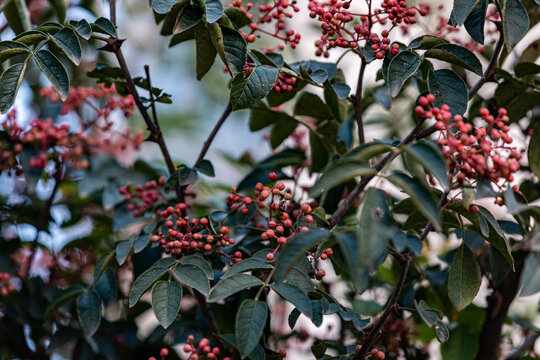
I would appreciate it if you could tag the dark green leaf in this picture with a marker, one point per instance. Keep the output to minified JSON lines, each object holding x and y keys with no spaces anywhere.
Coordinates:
{"x":17,"y":16}
{"x":476,"y":20}
{"x":318,"y":350}
{"x":144,"y":282}
{"x":89,"y":312}
{"x":106,"y":287}
{"x":429,"y":316}
{"x":295,"y":249}
{"x":205,"y":167}
{"x":456,"y":55}
{"x":10,"y":81}
{"x":231,"y":47}
{"x":295,"y":296}
{"x":430,"y":156}
{"x":163,"y":6}
{"x":9,"y":49}
{"x":282,"y":129}
{"x":206,"y":52}
{"x":82,"y":27}
{"x":62,"y":297}
{"x":462,"y":9}
{"x":194,"y":277}
{"x":187,"y":35}
{"x":28,"y":38}
{"x":201,"y":262}
{"x":67,"y":40}
{"x":309,"y":104}
{"x":104,"y":26}
{"x":60,"y":8}
{"x":54,"y":71}
{"x":339,"y":172}
{"x":246,"y":92}
{"x":166,"y":298}
{"x":448,"y":89}
{"x":515,"y":22}
{"x":231,"y":285}
{"x":250,"y":321}
{"x":464,"y":278}
{"x":426,"y":42}
{"x":246,"y":265}
{"x":401,"y":68}
{"x":123,"y":249}
{"x":419,"y":195}
{"x":530,"y":279}
{"x":238,"y":17}
{"x":462,"y":344}
{"x":526,"y":68}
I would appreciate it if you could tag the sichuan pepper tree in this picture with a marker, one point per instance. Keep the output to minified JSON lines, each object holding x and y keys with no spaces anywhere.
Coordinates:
{"x":450,"y":162}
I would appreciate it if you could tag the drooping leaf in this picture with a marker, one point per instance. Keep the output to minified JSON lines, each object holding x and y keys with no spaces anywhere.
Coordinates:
{"x":426,"y":42}
{"x":206,"y":51}
{"x":17,"y":16}
{"x":10,"y":81}
{"x":464,"y":278}
{"x":430,"y":156}
{"x":194,"y":277}
{"x":462,"y":9}
{"x":60,"y":8}
{"x":250,"y":321}
{"x":104,"y":26}
{"x":401,"y":68}
{"x":281,"y":130}
{"x":295,"y":296}
{"x":476,"y":20}
{"x":166,"y":298}
{"x":231,"y":285}
{"x":144,"y":282}
{"x":106,"y":287}
{"x":530,"y":279}
{"x":246,"y":92}
{"x":89,"y":312}
{"x":53,"y":69}
{"x":295,"y":249}
{"x":9,"y":49}
{"x":214,"y":10}
{"x":515,"y":21}
{"x":457,"y":55}
{"x":67,"y":40}
{"x":246,"y":265}
{"x":231,"y":47}
{"x":449,"y":89}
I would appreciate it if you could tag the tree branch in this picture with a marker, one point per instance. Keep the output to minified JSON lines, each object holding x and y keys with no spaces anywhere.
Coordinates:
{"x":357,"y":100}
{"x":151,"y":95}
{"x":491,"y":66}
{"x":214,"y":132}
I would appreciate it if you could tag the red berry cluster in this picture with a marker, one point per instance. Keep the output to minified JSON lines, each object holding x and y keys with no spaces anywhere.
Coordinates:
{"x":141,"y":198}
{"x":164,"y":352}
{"x":284,"y":83}
{"x":91,"y":96}
{"x":275,"y":12}
{"x":202,"y":350}
{"x":472,"y":152}
{"x":6,"y":287}
{"x":336,"y":18}
{"x":190,"y":235}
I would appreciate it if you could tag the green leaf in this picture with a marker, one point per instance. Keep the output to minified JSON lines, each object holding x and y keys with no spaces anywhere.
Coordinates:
{"x":309,"y":104}
{"x":201,"y":262}
{"x":530,"y":279}
{"x":163,"y":6}
{"x":419,"y":195}
{"x":214,"y":10}
{"x":206,"y":51}
{"x":476,"y":20}
{"x":231,"y":285}
{"x":247,"y":92}
{"x":186,"y":35}
{"x":89,"y":312}
{"x":9,"y":49}
{"x":426,"y":42}
{"x":462,"y":344}
{"x":205,"y":167}
{"x":17,"y":16}
{"x":82,"y":27}
{"x":246,"y":265}
{"x":318,"y":350}
{"x":401,"y":68}
{"x":464,"y":278}
{"x":166,"y":298}
{"x":526,"y":68}
{"x":143,"y":283}
{"x":61,"y":298}
{"x":430,"y":156}
{"x":238,"y":17}
{"x":449,"y":89}
{"x":374,"y":231}
{"x":338,"y":173}
{"x":29,"y":38}
{"x":282,"y":129}
{"x":515,"y":22}
{"x":49,"y":27}
{"x":295,"y":249}
{"x":429,"y":316}
{"x":104,"y":26}
{"x":60,"y":8}
{"x":295,"y":296}
{"x":194,"y":277}
{"x":54,"y":71}
{"x":462,"y":9}
{"x":67,"y":40}
{"x":10,"y":81}
{"x":231,"y":47}
{"x":457,"y":55}
{"x":441,"y":331}
{"x":250,"y":321}
{"x":106,"y":287}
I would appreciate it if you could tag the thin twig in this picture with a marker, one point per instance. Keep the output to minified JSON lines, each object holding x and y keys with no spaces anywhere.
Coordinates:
{"x":490,"y":68}
{"x":358,"y":102}
{"x":214,"y":132}
{"x":151,"y":94}
{"x":112,"y":11}
{"x":527,"y":345}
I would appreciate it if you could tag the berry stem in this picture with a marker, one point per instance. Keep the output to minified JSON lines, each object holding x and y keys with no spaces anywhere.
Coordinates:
{"x":214,"y":132}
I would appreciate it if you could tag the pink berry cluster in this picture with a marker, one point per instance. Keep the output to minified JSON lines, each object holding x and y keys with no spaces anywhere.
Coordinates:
{"x":471,"y":153}
{"x":189,"y":235}
{"x":373,"y":354}
{"x":275,"y":12}
{"x":338,"y":31}
{"x":140,"y":198}
{"x":284,"y":83}
{"x":163,"y":353}
{"x":202,"y":350}
{"x":6,"y":287}
{"x":92,"y":96}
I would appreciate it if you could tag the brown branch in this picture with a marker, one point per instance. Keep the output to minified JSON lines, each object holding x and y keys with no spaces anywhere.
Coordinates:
{"x":151,"y":95}
{"x":357,"y":101}
{"x":112,"y":11}
{"x":415,"y":134}
{"x":490,"y":70}
{"x":214,"y":132}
